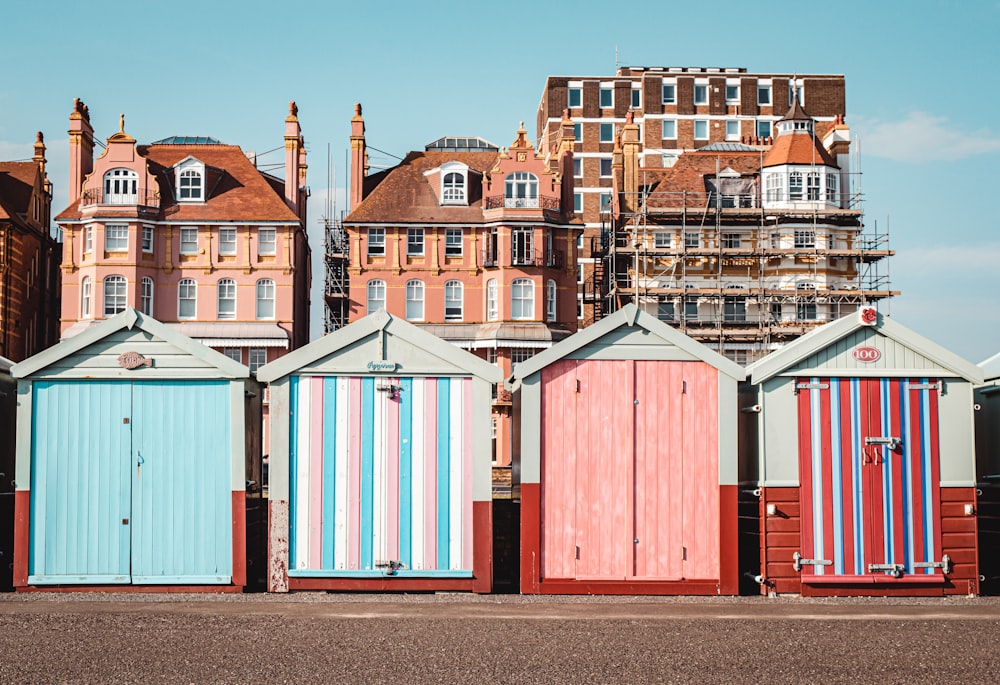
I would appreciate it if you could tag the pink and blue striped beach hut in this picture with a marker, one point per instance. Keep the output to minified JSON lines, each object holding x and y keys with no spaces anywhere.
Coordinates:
{"x":380,"y":462}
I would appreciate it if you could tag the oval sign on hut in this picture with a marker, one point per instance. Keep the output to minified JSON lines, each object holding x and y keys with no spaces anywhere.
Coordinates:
{"x":866,"y":354}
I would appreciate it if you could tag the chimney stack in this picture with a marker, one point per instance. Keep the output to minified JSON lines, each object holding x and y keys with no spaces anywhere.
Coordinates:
{"x":359,"y":157}
{"x":81,"y":149}
{"x":294,"y":146}
{"x":630,"y":162}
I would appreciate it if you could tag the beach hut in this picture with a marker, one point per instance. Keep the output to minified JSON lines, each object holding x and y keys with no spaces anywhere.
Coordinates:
{"x":134,"y":448}
{"x":379,"y":464}
{"x":865,"y":462}
{"x":627,"y":462}
{"x":987,"y":405}
{"x":7,"y":409}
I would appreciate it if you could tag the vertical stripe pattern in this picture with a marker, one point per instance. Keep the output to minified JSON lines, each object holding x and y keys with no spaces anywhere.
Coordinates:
{"x":866,"y":502}
{"x":381,"y":474}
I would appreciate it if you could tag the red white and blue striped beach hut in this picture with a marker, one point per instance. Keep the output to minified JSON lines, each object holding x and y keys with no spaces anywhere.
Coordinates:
{"x":627,"y":462}
{"x":865,"y":462}
{"x":380,"y":462}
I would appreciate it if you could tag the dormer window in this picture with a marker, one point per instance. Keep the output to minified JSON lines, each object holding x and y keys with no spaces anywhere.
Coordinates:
{"x":190,"y":181}
{"x":121,"y":187}
{"x":454,"y":188}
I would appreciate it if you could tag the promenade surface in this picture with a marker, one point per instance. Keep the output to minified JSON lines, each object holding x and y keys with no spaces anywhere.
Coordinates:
{"x":458,"y":638}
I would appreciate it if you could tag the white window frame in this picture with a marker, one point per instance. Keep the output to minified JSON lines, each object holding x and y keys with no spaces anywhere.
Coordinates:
{"x":805,"y":238}
{"x":267,"y":241}
{"x":116,"y":237}
{"x":578,"y":203}
{"x":88,"y":238}
{"x":374,"y":295}
{"x":669,"y":94}
{"x":732,"y":129}
{"x":190,"y":185}
{"x":578,"y":132}
{"x":257,"y":358}
{"x":187,"y":294}
{"x":234,"y":353}
{"x":454,"y":184}
{"x":520,"y":190}
{"x":605,"y":201}
{"x":692,"y":239}
{"x":492,"y":300}
{"x":571,"y":101}
{"x":376,"y":241}
{"x":577,"y":167}
{"x":701,"y":123}
{"x":606,"y":132}
{"x":609,"y":102}
{"x":454,"y":241}
{"x":264,"y":299}
{"x":146,"y":295}
{"x":414,"y":242}
{"x":636,"y":101}
{"x":522,"y":299}
{"x":702,"y":91}
{"x":415,"y":300}
{"x":669,"y":129}
{"x":147,"y":238}
{"x":668,"y":159}
{"x":735,"y":98}
{"x":121,"y":187}
{"x":796,"y":185}
{"x":762,"y":126}
{"x":454,"y":303}
{"x":225,"y":299}
{"x":766,"y":92}
{"x":605,"y":166}
{"x":551,"y":293}
{"x":115,"y":288}
{"x":227,"y":240}
{"x":661,"y":240}
{"x":732,"y":240}
{"x":86,"y":298}
{"x":189,"y":246}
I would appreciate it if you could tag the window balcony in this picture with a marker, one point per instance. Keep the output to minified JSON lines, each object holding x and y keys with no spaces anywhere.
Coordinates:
{"x":142,"y":197}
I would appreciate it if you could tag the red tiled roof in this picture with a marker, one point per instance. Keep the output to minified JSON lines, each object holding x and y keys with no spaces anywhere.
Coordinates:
{"x":404,"y":194}
{"x":235,"y":189}
{"x":798,"y":148}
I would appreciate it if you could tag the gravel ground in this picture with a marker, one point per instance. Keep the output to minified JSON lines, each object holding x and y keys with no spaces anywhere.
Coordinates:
{"x":459,"y":638}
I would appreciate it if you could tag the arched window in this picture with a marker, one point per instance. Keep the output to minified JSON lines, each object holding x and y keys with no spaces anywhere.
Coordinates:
{"x":189,"y":186}
{"x":146,"y":295}
{"x":453,"y":189}
{"x":115,"y":295}
{"x":492,"y":300}
{"x":376,"y":296}
{"x":453,"y":301}
{"x":521,"y":190}
{"x":550,"y":301}
{"x":226,"y":290}
{"x":414,"y":300}
{"x":522,"y":299}
{"x":85,"y":298}
{"x":265,"y":299}
{"x":121,"y":187}
{"x":187,"y":299}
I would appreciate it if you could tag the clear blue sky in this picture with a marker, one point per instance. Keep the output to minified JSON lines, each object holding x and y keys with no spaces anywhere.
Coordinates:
{"x":922,"y":96}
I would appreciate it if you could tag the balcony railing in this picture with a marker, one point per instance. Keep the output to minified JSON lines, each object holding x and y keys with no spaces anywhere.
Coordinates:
{"x":144,"y":197}
{"x":499,"y":201}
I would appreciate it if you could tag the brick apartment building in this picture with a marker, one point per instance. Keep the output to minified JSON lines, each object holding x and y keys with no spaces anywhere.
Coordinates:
{"x":676,"y":109}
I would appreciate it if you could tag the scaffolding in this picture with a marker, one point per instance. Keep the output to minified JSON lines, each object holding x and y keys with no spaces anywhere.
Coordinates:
{"x":336,"y":290}
{"x":741,"y":275}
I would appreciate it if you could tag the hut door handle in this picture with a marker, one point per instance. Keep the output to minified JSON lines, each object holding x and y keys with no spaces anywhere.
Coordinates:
{"x":140,"y":461}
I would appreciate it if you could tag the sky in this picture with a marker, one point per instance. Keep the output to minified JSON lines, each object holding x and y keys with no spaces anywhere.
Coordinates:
{"x":921,"y":78}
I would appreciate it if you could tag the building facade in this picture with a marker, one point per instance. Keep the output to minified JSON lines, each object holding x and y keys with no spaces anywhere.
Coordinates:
{"x":473,"y":243}
{"x":189,"y":231}
{"x":29,"y":258}
{"x":678,"y":110}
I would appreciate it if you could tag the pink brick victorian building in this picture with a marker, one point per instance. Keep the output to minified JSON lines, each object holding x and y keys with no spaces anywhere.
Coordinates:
{"x":474,"y":243}
{"x":191,"y":232}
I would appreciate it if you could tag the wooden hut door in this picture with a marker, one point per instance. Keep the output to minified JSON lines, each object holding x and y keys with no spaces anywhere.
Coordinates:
{"x":131,"y":483}
{"x":381,"y":476}
{"x":870,"y":484}
{"x":625,"y":495}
